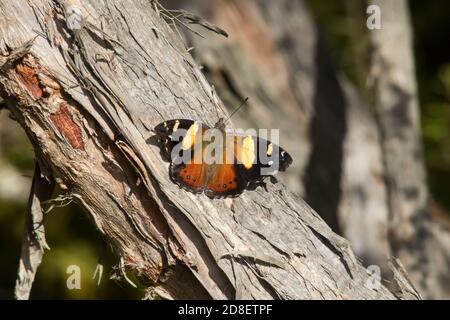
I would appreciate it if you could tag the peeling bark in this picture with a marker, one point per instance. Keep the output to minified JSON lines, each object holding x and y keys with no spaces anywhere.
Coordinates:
{"x":33,"y":243}
{"x":88,"y":99}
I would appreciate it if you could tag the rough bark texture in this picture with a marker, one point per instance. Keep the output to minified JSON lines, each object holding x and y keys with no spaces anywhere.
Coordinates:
{"x":421,"y":245}
{"x":88,"y":99}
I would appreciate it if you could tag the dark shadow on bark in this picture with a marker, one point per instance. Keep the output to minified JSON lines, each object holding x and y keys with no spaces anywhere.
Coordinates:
{"x":328,"y":126}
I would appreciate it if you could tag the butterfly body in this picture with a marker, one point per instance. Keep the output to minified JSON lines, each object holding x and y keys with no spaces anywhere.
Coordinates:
{"x":216,"y":162}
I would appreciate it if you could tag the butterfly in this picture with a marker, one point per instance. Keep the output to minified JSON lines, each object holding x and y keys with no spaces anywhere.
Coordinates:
{"x":215,"y":161}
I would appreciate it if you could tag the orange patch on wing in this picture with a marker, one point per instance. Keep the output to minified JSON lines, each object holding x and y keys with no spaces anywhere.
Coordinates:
{"x":193,"y":175}
{"x":224,"y":179}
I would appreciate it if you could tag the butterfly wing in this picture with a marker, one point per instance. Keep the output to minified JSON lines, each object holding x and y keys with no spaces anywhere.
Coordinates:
{"x":258,"y":158}
{"x":190,"y":176}
{"x":225,"y":181}
{"x":253,"y":159}
{"x":182,"y":140}
{"x":178,"y":132}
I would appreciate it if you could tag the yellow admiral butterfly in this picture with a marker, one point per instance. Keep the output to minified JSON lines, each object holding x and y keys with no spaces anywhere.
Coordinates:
{"x":213,"y":161}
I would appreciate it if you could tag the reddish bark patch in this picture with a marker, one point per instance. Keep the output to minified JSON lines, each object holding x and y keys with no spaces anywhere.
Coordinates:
{"x":29,"y":79}
{"x":63,"y":120}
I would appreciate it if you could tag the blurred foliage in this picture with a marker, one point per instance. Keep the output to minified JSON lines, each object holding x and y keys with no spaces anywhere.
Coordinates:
{"x":73,"y":241}
{"x":71,"y":235}
{"x":432,"y":49}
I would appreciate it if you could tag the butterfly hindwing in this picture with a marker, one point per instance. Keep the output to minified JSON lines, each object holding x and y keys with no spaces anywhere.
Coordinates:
{"x":191,"y":176}
{"x":225,"y":181}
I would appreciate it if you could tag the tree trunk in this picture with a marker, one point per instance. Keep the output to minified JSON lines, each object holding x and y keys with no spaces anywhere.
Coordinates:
{"x":421,"y":245}
{"x":89,"y":94}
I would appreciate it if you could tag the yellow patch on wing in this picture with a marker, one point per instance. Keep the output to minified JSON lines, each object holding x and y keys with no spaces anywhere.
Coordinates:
{"x":189,"y":139}
{"x":269,"y":149}
{"x":247,"y":152}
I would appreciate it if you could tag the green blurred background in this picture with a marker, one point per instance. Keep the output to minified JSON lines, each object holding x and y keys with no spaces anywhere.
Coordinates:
{"x":71,"y":236}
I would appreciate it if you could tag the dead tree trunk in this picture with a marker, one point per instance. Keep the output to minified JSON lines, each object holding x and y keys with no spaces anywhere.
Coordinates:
{"x":88,"y":81}
{"x":421,"y":245}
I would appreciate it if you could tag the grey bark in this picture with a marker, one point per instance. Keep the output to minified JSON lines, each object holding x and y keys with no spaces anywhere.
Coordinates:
{"x":363,"y":207}
{"x":88,"y":98}
{"x":420,"y":244}
{"x":33,"y":243}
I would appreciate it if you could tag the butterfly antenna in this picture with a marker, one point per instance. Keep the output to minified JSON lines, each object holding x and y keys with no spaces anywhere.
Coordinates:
{"x":215,"y":101}
{"x":237,"y":109}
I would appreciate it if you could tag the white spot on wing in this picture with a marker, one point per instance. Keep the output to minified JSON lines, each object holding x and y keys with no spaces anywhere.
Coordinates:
{"x":175,"y":126}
